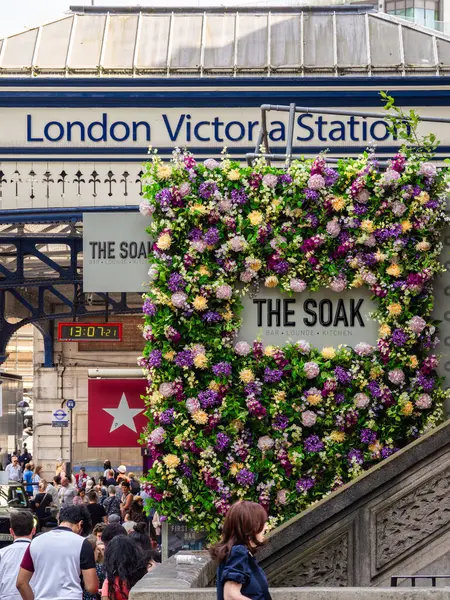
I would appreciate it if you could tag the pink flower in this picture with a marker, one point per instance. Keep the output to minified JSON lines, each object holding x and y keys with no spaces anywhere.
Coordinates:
{"x":265,"y":443}
{"x":199,"y":245}
{"x":210,"y":163}
{"x":157,"y":436}
{"x":237,"y":243}
{"x":316,"y":182}
{"x":396,"y":376}
{"x":184,"y":189}
{"x":179,"y":299}
{"x":424,"y":401}
{"x":390,"y":177}
{"x":192,"y":405}
{"x":282,"y":497}
{"x":309,"y":418}
{"x":364,"y":349}
{"x":297,"y":285}
{"x":247,"y":276}
{"x":224,"y":292}
{"x":146,"y":209}
{"x":270,"y":180}
{"x":167,"y":389}
{"x":303,"y":346}
{"x":147,"y":333}
{"x":361,"y":400}
{"x":398,"y":208}
{"x":363,"y":196}
{"x":417,"y":324}
{"x":311,"y":370}
{"x":427,"y":169}
{"x":242,"y":348}
{"x":198,"y":349}
{"x":333,"y":228}
{"x":338,"y":284}
{"x":225,"y":206}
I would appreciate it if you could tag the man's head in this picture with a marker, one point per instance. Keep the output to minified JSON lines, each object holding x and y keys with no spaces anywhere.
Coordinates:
{"x":14,"y":460}
{"x":98,"y":530}
{"x":111,"y":531}
{"x":64,"y":481}
{"x":107,"y":464}
{"x":92,"y":497}
{"x":77,"y":518}
{"x":57,"y":480}
{"x":111,"y":474}
{"x":112,"y":490}
{"x":21,"y":524}
{"x":125,"y":486}
{"x":114,"y":518}
{"x":83,"y":470}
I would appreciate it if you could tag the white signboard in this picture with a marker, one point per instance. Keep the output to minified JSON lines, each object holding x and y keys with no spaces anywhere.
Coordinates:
{"x":115,"y":251}
{"x":323,"y":318}
{"x":133,"y":127}
{"x":60,"y":418}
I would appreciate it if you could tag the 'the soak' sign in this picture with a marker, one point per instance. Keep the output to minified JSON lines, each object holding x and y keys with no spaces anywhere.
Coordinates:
{"x":115,"y":251}
{"x":323,"y":318}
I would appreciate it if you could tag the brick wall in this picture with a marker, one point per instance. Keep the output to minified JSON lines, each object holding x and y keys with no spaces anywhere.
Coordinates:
{"x":132,"y":339}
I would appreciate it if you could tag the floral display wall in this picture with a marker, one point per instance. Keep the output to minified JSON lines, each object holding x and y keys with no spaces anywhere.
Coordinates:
{"x":284,"y":426}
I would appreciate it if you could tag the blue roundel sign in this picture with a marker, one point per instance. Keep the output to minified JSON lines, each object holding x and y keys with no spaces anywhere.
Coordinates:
{"x":59,"y":415}
{"x":70,"y":404}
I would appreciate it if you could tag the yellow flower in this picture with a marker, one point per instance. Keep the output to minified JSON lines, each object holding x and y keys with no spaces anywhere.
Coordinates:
{"x":337,"y":436}
{"x":164,"y":171}
{"x":237,"y":425}
{"x":338,"y":203}
{"x":200,"y":417}
{"x":246,"y":375}
{"x":254,"y":264}
{"x":394,"y":270}
{"x":394,"y":309}
{"x":407,"y":409}
{"x":279,"y":396}
{"x":271,"y":281}
{"x":385,"y":330}
{"x":376,"y":372}
{"x":314,"y":399}
{"x":255,"y":217}
{"x":367,"y":225}
{"x":199,"y":208}
{"x":269,"y":350}
{"x":164,"y":241}
{"x":203,"y":270}
{"x":156,"y":398}
{"x":406,"y":226}
{"x":376,"y":448}
{"x":214,"y":386}
{"x":235,"y":468}
{"x":200,"y":361}
{"x":423,"y":246}
{"x":328,"y":352}
{"x":380,"y":256}
{"x":171,"y":461}
{"x":413,"y":361}
{"x":357,"y":282}
{"x":200,"y":303}
{"x":234,"y":175}
{"x":170,"y":355}
{"x":227,"y":315}
{"x":423,"y":197}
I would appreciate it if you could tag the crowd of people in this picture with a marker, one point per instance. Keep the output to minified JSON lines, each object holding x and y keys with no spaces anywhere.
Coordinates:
{"x":92,"y":564}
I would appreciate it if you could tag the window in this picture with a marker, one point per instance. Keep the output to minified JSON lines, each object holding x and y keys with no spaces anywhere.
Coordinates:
{"x":422,"y":12}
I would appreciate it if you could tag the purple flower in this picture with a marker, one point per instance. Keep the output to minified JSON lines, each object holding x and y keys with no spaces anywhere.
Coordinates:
{"x":149,"y":308}
{"x":342,"y":376}
{"x":173,"y":335}
{"x":272,"y":375}
{"x":427,"y":383}
{"x":212,"y":236}
{"x":374,"y":389}
{"x":207,"y":189}
{"x":313,"y":444}
{"x":209,"y":399}
{"x":222,"y":442}
{"x":211,"y":317}
{"x":355,"y":457}
{"x":285,"y":179}
{"x":222,"y":368}
{"x":280,"y":422}
{"x":176,"y":283}
{"x":167,"y":417}
{"x":184,"y":359}
{"x":331,"y":176}
{"x":368,"y":436}
{"x":386,"y":452}
{"x":245,"y":478}
{"x":164,"y":198}
{"x":399,"y":337}
{"x":185,"y":470}
{"x":311,"y":194}
{"x":154,"y":359}
{"x":239,"y":197}
{"x":304,"y":484}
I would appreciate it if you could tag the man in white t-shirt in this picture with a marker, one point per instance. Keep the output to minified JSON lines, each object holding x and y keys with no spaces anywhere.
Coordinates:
{"x":14,"y":470}
{"x":55,"y":561}
{"x":22,"y":529}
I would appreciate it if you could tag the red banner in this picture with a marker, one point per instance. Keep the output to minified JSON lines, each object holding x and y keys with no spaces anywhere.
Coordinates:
{"x":115,"y":412}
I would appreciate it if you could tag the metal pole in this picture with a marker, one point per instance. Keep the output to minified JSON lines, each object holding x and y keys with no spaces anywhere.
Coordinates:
{"x":290,"y":133}
{"x":70,"y":439}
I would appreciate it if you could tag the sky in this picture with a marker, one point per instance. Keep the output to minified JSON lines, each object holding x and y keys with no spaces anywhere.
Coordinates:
{"x":17,"y":15}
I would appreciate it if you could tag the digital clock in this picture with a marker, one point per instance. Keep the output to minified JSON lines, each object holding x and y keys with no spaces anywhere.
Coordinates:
{"x":89,"y":332}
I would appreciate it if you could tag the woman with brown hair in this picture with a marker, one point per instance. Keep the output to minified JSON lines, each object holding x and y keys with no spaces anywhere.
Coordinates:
{"x":239,"y":577}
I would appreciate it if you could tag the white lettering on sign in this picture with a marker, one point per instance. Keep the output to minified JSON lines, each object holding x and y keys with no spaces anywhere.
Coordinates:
{"x":324,"y":318}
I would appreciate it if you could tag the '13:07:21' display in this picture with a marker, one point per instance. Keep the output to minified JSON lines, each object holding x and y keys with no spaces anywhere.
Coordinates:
{"x":98,"y":332}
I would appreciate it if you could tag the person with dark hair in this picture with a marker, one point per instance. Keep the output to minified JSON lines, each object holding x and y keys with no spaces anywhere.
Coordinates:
{"x":57,"y":559}
{"x":99,"y":553}
{"x":98,"y":531}
{"x":141,"y":537}
{"x":42,"y":502}
{"x":124,"y":566}
{"x":111,"y":531}
{"x":112,"y":503}
{"x":136,"y":512}
{"x":80,"y":498}
{"x":127,"y":498}
{"x":28,"y":479}
{"x":96,"y":510}
{"x":239,"y":577}
{"x":22,"y":529}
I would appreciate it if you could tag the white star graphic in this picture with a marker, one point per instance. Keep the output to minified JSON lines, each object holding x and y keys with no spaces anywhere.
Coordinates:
{"x":123,"y":415}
